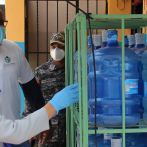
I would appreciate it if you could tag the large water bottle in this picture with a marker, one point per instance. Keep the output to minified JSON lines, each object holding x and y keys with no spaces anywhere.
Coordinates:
{"x":107,"y":137}
{"x":140,"y":49}
{"x":144,"y":73}
{"x":91,"y":139}
{"x":131,"y":39}
{"x":104,"y":38}
{"x":109,"y":84}
{"x":107,"y":140}
{"x":136,"y":140}
{"x":89,"y":51}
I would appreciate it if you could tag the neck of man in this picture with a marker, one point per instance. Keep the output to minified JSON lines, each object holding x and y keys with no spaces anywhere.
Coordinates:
{"x":60,"y":63}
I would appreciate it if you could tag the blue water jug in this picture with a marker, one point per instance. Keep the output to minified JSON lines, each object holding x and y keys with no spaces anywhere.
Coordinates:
{"x":136,"y":140}
{"x":89,"y":51}
{"x":131,"y":39}
{"x":101,"y":142}
{"x":144,"y":76}
{"x":91,"y":139}
{"x":104,"y":38}
{"x":89,"y":47}
{"x":109,"y":84}
{"x":110,"y":140}
{"x":140,"y":48}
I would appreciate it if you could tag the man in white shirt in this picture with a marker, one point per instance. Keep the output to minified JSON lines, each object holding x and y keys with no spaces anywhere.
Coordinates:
{"x":15,"y":69}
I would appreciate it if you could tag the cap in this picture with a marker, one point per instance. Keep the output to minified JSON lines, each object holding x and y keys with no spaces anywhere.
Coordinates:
{"x":58,"y":37}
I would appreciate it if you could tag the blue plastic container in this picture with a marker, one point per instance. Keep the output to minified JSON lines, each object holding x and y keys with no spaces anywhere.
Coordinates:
{"x":105,"y":140}
{"x":101,"y":140}
{"x":89,"y":47}
{"x":89,"y":51}
{"x":136,"y":140}
{"x":144,"y":76}
{"x":91,"y":139}
{"x":109,"y":84}
{"x":131,"y":39}
{"x":140,"y":49}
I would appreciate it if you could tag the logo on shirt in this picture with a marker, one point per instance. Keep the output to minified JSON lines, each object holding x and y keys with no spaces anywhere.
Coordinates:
{"x":52,"y":67}
{"x":7,"y":59}
{"x":48,"y":80}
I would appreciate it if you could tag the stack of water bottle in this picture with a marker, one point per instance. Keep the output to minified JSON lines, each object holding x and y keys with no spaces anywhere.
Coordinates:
{"x":108,"y":59}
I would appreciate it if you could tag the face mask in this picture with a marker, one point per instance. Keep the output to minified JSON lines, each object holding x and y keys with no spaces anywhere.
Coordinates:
{"x":57,"y":54}
{"x":2,"y":33}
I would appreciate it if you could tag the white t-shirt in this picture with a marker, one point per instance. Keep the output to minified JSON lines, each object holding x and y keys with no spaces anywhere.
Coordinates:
{"x":14,"y":68}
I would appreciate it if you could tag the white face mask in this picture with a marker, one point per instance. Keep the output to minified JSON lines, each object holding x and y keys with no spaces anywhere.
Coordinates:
{"x":57,"y":54}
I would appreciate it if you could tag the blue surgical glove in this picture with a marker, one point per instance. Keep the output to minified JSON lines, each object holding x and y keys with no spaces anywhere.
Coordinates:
{"x":65,"y":97}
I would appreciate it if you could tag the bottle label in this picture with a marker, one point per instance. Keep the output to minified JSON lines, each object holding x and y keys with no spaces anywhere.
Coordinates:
{"x":108,"y":136}
{"x":116,"y":142}
{"x":145,"y":89}
{"x":131,"y":86}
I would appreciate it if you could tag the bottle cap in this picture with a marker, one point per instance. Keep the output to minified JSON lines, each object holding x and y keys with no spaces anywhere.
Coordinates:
{"x":139,"y":38}
{"x":104,"y":36}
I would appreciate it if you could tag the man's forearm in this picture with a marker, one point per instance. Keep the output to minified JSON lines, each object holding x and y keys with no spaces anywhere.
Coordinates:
{"x":33,"y":94}
{"x":50,"y":110}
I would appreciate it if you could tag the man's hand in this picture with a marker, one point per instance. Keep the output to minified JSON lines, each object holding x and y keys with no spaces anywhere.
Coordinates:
{"x":46,"y":135}
{"x":65,"y":97}
{"x":33,"y":138}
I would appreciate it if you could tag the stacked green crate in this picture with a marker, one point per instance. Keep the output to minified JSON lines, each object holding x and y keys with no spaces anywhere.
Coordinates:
{"x":76,"y":39}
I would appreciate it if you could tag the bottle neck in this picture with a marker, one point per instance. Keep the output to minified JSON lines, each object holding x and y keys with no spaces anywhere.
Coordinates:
{"x":131,"y":39}
{"x":126,"y":45}
{"x":96,"y":47}
{"x":112,"y":43}
{"x":132,"y":46}
{"x":105,"y":44}
{"x":112,"y":38}
{"x":138,"y":46}
{"x":126,"y":42}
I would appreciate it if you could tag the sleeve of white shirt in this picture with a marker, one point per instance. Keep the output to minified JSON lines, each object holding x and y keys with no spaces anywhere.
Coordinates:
{"x":21,"y":130}
{"x":25,"y":71}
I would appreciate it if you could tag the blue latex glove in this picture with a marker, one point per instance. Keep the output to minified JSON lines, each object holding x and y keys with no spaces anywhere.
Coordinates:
{"x":65,"y":97}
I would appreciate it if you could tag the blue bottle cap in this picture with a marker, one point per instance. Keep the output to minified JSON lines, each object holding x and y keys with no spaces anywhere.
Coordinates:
{"x":139,"y":40}
{"x":131,"y":39}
